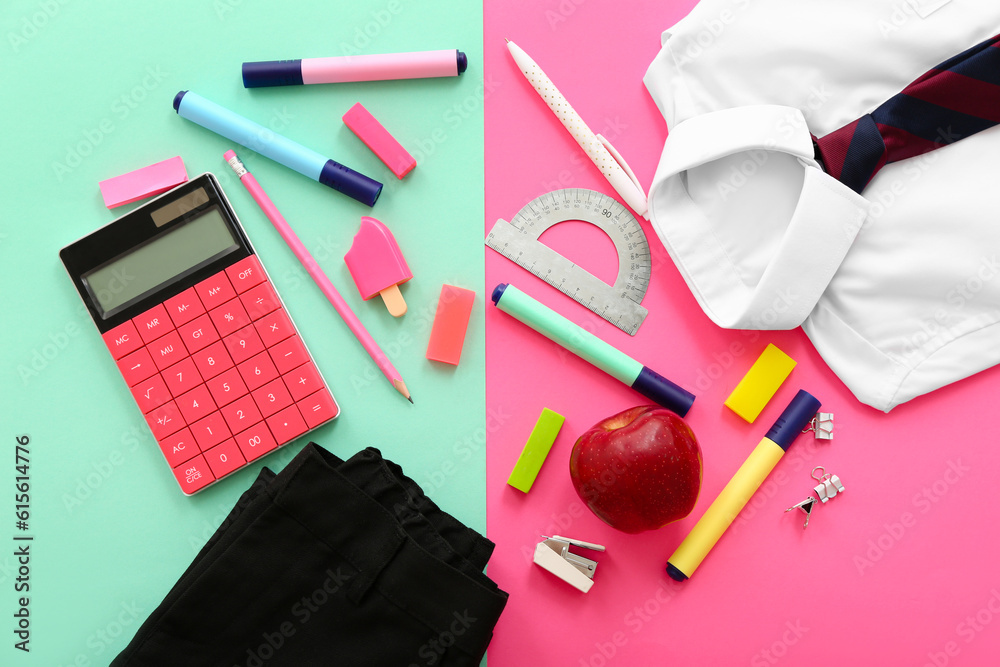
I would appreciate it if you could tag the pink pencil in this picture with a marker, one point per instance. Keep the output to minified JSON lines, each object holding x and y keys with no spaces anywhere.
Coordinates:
{"x":345,"y":312}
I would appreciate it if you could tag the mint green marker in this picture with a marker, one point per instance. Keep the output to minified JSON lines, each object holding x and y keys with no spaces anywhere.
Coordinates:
{"x":589,"y":347}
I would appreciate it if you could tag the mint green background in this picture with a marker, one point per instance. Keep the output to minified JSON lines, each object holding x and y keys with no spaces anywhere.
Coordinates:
{"x":112,"y":528}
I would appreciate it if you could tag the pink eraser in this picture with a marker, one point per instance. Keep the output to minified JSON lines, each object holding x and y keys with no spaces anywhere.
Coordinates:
{"x":142,"y":183}
{"x":375,"y":260}
{"x":450,"y":324}
{"x":377,"y":138}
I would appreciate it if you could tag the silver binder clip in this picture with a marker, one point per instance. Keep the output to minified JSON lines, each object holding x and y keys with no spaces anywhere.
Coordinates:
{"x":829,"y":486}
{"x":553,"y":554}
{"x":821,"y":425}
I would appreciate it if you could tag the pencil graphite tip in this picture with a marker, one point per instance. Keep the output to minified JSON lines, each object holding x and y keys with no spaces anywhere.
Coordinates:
{"x":401,"y":388}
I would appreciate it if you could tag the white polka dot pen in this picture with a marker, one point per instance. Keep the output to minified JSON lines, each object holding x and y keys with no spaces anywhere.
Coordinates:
{"x":600,"y":151}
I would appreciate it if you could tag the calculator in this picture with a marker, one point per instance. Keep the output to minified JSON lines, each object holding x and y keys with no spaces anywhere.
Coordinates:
{"x":199,"y":333}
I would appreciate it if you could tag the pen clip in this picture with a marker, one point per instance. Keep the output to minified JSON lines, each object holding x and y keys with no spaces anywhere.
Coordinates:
{"x":627,"y":169}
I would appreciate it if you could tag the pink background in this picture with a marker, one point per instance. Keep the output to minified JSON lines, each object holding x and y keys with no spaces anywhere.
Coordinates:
{"x":901,"y":569}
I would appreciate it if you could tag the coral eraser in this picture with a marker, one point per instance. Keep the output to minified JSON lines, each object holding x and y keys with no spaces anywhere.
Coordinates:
{"x":535,"y":450}
{"x":760,"y":383}
{"x":142,"y":183}
{"x":378,"y":139}
{"x":450,"y":324}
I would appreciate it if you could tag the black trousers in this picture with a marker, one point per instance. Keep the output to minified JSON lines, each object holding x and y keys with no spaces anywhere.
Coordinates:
{"x":329,"y":562}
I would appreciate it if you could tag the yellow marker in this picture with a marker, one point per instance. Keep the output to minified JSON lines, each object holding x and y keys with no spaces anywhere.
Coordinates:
{"x":742,"y":486}
{"x":760,"y":383}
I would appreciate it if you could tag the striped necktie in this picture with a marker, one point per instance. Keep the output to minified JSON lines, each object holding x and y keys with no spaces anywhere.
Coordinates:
{"x":954,"y":100}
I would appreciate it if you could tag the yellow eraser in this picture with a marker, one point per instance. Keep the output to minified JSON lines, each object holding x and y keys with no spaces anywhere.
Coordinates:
{"x":760,"y":383}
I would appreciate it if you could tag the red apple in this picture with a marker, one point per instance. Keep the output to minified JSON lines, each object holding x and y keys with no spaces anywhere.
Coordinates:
{"x":638,"y":470}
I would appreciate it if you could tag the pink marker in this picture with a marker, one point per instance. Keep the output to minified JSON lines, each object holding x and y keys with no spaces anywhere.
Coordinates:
{"x":344,"y":69}
{"x":377,"y":265}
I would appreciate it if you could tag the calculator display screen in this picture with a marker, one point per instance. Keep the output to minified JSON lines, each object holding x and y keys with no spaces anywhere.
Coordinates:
{"x":161,"y":261}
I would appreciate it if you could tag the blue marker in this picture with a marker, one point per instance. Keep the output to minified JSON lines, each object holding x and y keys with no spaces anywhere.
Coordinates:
{"x":272,"y":145}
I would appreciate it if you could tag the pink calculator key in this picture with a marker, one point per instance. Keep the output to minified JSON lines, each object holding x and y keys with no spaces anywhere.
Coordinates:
{"x":182,"y":377}
{"x":224,"y":458}
{"x":193,"y":475}
{"x":122,"y":339}
{"x":245,"y":273}
{"x":257,"y":371}
{"x":303,"y":381}
{"x":153,"y":323}
{"x":198,"y":334}
{"x":212,"y":360}
{"x":215,"y":291}
{"x":136,"y":367}
{"x":272,"y":397}
{"x":165,"y":420}
{"x":210,"y":431}
{"x":256,"y":441}
{"x":150,"y":393}
{"x":184,"y":307}
{"x":167,"y":350}
{"x":243,"y":344}
{"x":288,"y":354}
{"x":241,"y":414}
{"x":229,"y":317}
{"x":195,"y":404}
{"x":274,"y":328}
{"x":227,"y":387}
{"x":287,"y":425}
{"x":260,"y":301}
{"x":318,"y":408}
{"x":179,"y":447}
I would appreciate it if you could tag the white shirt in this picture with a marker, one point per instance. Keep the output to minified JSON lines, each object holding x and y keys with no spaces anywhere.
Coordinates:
{"x":897,"y":288}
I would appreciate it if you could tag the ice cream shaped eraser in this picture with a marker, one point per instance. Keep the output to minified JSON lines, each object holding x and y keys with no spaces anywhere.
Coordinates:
{"x":377,"y":265}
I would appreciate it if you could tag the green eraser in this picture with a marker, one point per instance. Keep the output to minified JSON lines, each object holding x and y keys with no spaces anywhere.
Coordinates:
{"x":760,"y":383}
{"x":535,"y":450}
